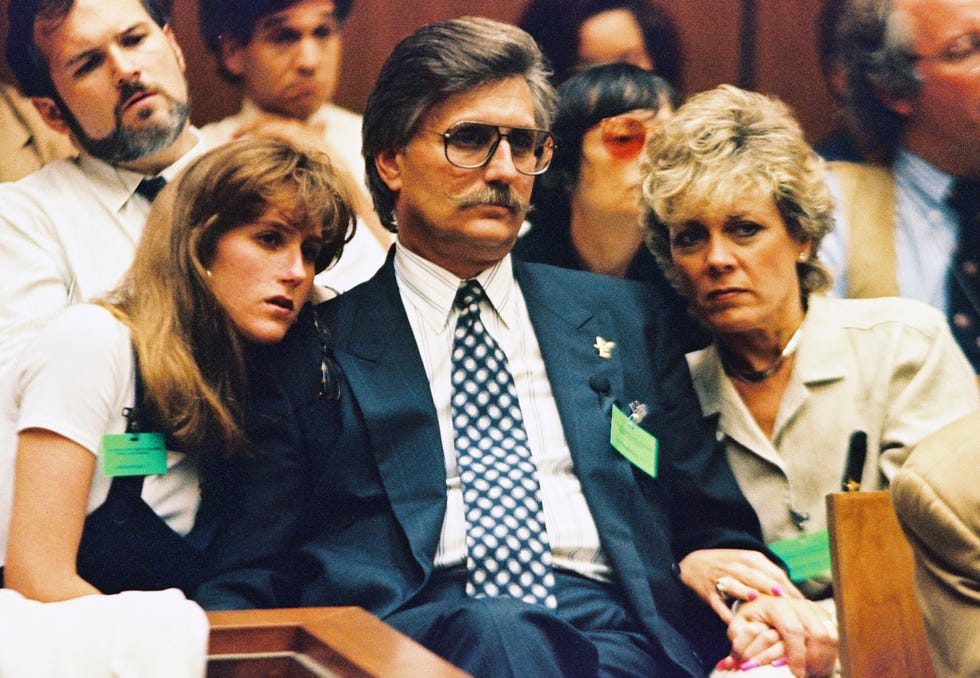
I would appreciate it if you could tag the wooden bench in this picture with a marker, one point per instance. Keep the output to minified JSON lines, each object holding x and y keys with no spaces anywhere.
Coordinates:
{"x":324,"y":642}
{"x":881,"y":629}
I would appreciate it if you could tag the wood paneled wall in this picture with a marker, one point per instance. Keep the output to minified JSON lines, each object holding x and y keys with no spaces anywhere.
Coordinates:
{"x":784,"y":63}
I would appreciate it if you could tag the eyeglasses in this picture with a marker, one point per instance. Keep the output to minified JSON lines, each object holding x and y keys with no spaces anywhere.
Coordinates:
{"x":958,"y":51}
{"x":471,"y":144}
{"x":624,"y":135}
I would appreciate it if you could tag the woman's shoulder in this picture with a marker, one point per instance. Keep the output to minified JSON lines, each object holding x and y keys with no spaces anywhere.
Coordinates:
{"x":868,"y":314}
{"x":85,"y":324}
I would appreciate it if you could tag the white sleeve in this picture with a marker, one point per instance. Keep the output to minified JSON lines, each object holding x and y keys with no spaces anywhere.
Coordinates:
{"x":34,"y":283}
{"x":76,"y":377}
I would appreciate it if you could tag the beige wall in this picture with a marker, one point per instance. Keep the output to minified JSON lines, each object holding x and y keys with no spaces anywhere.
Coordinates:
{"x":785,"y":63}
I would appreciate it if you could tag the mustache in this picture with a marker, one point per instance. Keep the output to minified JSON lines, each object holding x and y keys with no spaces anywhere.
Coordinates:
{"x":501,"y":196}
{"x":128,"y":91}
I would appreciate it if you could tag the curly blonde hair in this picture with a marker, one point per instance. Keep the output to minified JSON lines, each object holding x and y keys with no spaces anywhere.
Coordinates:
{"x":726,"y":144}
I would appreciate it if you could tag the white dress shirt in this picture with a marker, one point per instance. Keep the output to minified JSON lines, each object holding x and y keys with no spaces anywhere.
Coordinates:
{"x":68,"y":233}
{"x":428,"y":292}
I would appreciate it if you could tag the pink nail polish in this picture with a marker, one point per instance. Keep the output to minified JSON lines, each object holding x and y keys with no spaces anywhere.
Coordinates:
{"x":777,"y":591}
{"x":750,"y":664}
{"x":779,"y":662}
{"x":753,"y":594}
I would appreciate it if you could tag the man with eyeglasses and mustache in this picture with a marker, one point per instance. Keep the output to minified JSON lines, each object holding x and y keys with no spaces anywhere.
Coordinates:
{"x":513,"y":461}
{"x":109,"y":74}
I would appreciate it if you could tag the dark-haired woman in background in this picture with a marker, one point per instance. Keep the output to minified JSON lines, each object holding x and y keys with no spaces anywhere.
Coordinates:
{"x":586,"y":206}
{"x":577,"y":34}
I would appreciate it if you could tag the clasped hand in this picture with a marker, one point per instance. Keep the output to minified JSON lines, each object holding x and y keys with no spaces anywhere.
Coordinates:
{"x":772,"y":621}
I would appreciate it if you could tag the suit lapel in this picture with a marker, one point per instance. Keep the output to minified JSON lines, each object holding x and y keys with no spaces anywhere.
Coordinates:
{"x":376,"y":350}
{"x":566,"y":331}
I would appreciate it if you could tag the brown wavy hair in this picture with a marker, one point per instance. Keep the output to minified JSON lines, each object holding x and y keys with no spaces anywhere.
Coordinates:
{"x":190,"y":355}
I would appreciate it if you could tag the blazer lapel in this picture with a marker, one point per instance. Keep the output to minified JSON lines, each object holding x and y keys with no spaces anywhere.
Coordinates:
{"x":376,"y":351}
{"x":584,"y":386}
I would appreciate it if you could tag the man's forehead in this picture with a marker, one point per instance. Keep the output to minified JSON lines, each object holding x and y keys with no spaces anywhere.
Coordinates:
{"x":939,"y":21}
{"x":89,"y":21}
{"x":322,"y":10}
{"x":507,"y":102}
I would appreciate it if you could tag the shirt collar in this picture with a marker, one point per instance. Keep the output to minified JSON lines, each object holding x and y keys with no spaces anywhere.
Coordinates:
{"x":819,"y":358}
{"x":821,"y":355}
{"x":431,"y":289}
{"x":116,"y":185}
{"x":922,"y":176}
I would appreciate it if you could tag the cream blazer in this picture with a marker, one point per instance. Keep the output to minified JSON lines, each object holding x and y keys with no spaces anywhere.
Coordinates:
{"x":888,"y":367}
{"x":937,"y":498}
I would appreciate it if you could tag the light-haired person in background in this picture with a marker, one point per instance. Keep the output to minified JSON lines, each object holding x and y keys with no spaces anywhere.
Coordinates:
{"x":911,"y":226}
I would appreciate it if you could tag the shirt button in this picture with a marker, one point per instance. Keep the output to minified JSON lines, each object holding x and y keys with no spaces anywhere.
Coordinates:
{"x":970,"y":268}
{"x":961,"y":320}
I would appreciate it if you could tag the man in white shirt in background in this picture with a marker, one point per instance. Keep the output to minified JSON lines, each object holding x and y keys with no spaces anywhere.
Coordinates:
{"x":284,"y":56}
{"x":109,"y":74}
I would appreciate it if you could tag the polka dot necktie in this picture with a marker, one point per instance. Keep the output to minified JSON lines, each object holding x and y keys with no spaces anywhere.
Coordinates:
{"x":506,"y":538}
{"x":964,"y":278}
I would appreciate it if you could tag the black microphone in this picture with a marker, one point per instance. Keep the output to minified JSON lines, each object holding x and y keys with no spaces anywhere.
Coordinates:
{"x":857,"y":451}
{"x":599,"y":384}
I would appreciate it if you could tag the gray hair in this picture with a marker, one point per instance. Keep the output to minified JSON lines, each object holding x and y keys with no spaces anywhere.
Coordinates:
{"x":876,"y":52}
{"x":434,"y":63}
{"x":723,"y":145}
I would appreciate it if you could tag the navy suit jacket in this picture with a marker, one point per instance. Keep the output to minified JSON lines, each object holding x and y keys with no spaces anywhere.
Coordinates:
{"x":353,"y":489}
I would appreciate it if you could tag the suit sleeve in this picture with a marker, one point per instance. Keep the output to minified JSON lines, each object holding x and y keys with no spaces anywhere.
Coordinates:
{"x":936,"y":501}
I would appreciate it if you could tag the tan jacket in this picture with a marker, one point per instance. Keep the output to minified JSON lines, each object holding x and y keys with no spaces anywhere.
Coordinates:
{"x":26,"y":141}
{"x":937,"y":498}
{"x":868,"y":197}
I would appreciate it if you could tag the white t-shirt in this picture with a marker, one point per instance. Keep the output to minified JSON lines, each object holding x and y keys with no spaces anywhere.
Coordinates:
{"x":74,"y":380}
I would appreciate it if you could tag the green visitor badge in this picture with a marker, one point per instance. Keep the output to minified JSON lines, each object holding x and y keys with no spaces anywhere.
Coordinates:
{"x":134,"y":454}
{"x":807,"y":556}
{"x":634,"y":443}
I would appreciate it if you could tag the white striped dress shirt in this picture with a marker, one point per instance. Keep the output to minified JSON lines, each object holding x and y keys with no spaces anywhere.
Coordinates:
{"x":427,"y":292}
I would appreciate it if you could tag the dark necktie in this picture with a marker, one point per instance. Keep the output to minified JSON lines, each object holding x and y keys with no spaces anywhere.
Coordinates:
{"x":508,"y":553}
{"x":964,"y":274}
{"x":150,"y":186}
